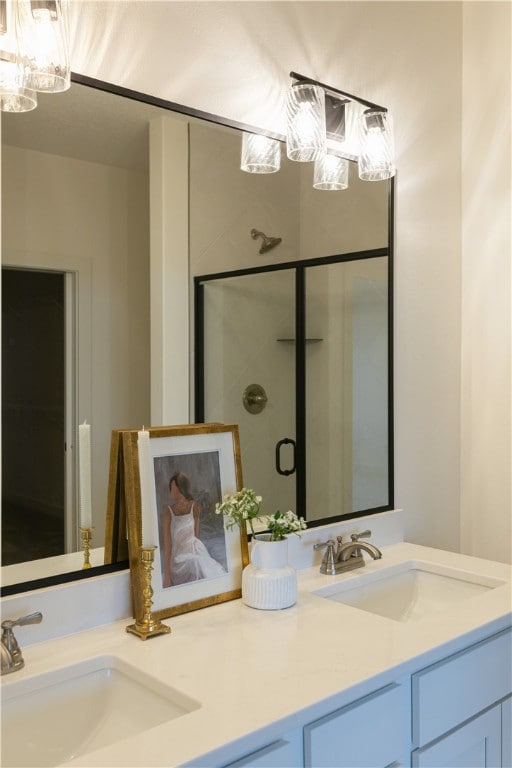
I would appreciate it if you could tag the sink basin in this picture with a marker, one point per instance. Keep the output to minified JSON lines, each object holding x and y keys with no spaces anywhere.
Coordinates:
{"x":408,"y":591}
{"x":52,"y":718}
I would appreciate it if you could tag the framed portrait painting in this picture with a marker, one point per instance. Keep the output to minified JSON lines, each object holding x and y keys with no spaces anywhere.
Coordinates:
{"x":174,"y":477}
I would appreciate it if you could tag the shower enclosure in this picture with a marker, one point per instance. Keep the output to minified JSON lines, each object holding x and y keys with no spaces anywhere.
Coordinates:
{"x":298,"y":355}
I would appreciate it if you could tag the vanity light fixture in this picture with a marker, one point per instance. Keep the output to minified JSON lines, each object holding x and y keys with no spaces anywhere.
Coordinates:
{"x":354,"y":129}
{"x":329,"y":127}
{"x":34,"y":51}
{"x":260,"y":154}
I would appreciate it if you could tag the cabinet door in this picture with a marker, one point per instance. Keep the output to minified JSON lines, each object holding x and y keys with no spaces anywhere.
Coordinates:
{"x":477,"y":744}
{"x":506,"y":733}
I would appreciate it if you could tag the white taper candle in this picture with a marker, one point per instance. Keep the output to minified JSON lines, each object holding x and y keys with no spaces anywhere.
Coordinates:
{"x":84,"y":446}
{"x":145,"y":469}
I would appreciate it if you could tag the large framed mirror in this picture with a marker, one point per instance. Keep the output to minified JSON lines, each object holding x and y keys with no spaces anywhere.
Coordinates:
{"x":77,"y":217}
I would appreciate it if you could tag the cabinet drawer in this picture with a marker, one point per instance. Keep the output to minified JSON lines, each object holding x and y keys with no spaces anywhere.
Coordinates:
{"x":477,"y":743}
{"x":285,"y":753}
{"x":457,"y":688}
{"x":370,"y":732}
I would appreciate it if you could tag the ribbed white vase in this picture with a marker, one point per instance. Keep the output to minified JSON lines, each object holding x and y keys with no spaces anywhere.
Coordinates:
{"x":269,"y":582}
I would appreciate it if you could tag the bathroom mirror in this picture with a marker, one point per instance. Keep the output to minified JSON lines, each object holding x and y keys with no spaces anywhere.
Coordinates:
{"x":75,"y":207}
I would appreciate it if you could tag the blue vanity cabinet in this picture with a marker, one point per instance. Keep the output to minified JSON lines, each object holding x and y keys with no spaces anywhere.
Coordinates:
{"x":456,"y":713}
{"x":461,"y":706}
{"x":372,"y":731}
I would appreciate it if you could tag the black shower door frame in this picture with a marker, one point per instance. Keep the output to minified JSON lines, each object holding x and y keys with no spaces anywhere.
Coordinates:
{"x":300,"y":268}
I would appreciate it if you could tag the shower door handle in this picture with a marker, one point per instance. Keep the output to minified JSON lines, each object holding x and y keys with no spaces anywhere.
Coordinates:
{"x":279,"y":469}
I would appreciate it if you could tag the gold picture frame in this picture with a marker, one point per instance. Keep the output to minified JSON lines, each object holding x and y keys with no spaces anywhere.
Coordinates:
{"x":197,"y":561}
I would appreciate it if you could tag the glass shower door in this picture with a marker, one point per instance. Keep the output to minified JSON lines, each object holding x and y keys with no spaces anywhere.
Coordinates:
{"x":249,"y":375}
{"x":347,"y":408}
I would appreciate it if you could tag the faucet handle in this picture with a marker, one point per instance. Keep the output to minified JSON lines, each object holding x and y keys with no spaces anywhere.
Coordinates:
{"x":355,"y":538}
{"x":10,"y":642}
{"x":363,"y":535}
{"x":32,"y":618}
{"x":330,"y":543}
{"x":329,"y":559}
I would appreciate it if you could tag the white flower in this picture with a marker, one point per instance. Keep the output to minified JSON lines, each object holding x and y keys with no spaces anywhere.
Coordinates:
{"x":243,"y":506}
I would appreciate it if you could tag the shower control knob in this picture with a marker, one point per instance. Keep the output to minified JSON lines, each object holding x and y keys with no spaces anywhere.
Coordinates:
{"x":254,"y":398}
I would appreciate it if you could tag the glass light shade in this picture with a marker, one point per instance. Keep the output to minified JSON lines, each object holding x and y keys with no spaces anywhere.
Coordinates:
{"x":305,"y":119}
{"x":18,"y":100}
{"x":331,"y":173}
{"x":377,"y":158}
{"x":260,"y":154}
{"x":45,"y":44}
{"x":14,"y":94}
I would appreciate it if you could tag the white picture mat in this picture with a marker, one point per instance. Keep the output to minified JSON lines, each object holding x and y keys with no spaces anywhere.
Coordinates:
{"x":176,"y":445}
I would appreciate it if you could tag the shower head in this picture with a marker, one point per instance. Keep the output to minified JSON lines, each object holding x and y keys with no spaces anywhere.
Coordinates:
{"x":268,"y":242}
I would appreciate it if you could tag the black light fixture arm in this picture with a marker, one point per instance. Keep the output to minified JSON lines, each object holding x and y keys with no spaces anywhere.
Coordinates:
{"x":329,"y":89}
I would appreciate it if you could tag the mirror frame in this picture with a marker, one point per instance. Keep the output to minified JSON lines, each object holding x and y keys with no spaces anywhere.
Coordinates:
{"x":117,"y":90}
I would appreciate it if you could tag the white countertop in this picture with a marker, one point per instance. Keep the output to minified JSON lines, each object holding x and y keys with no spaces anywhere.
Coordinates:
{"x":258,"y":674}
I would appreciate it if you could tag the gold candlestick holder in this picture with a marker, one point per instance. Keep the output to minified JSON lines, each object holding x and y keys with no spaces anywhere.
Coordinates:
{"x":86,"y":535}
{"x":148,"y":626}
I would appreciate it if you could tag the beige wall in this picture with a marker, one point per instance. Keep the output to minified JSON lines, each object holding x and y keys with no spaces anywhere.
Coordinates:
{"x":225,"y":204}
{"x":233,"y":59}
{"x":93,"y":220}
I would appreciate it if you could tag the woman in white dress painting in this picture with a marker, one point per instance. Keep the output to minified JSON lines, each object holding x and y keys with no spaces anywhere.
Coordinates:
{"x":186,"y":558}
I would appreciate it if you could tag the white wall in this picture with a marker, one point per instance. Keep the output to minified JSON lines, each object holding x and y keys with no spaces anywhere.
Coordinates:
{"x":486,"y":288}
{"x":233,"y":59}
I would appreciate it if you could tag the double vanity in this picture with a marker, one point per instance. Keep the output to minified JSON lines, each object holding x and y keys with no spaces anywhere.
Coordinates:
{"x":406,"y":661}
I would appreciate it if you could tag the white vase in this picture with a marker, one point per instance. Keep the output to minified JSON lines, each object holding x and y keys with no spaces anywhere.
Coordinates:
{"x":269,"y":582}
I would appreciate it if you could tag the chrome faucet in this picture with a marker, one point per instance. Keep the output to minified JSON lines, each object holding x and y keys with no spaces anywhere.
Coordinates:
{"x":346,"y":556}
{"x":12,"y":658}
{"x":350,"y":554}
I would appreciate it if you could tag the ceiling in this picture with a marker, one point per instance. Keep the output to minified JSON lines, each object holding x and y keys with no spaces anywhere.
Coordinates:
{"x":86,"y":124}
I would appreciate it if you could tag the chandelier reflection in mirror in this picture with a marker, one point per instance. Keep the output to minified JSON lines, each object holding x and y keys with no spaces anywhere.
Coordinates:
{"x":328,"y":127}
{"x":34,"y":52}
{"x":260,"y":154}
